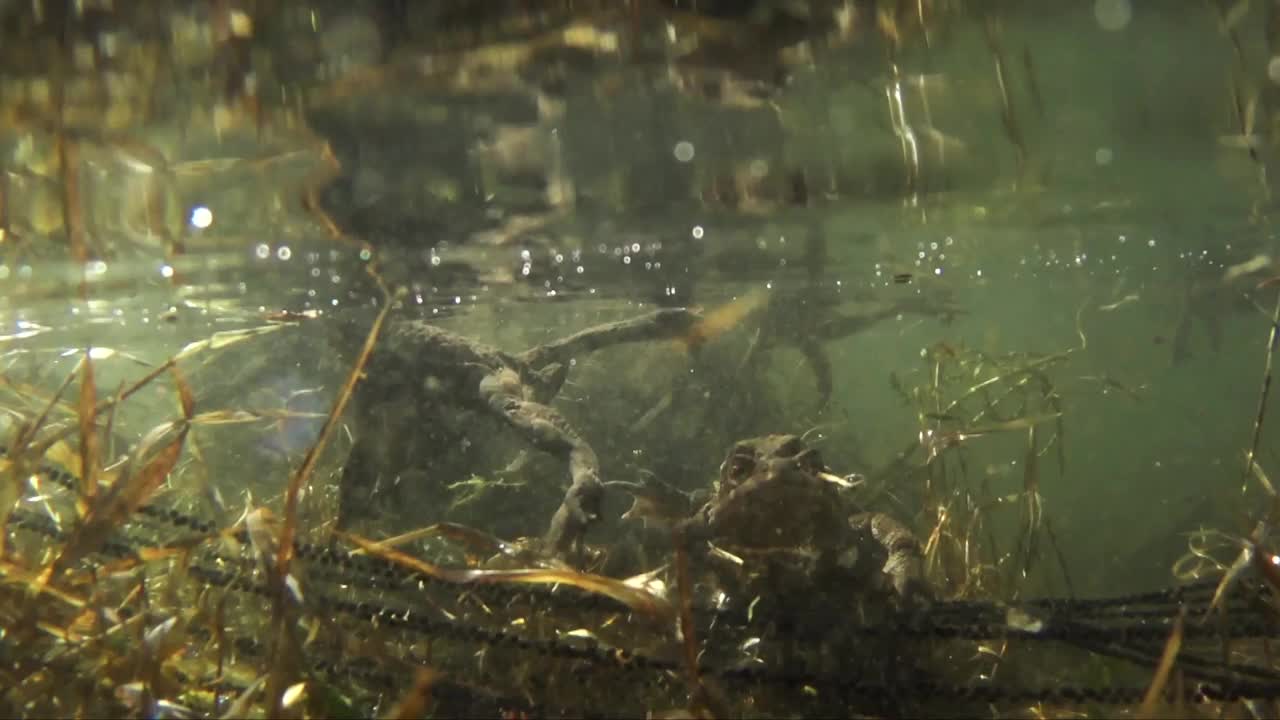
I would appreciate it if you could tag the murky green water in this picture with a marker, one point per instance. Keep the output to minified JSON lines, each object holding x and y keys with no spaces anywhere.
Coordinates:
{"x":1054,"y":223}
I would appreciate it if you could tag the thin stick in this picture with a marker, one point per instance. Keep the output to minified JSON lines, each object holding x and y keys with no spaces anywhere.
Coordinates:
{"x":1161,"y":677}
{"x":1263,"y":393}
{"x":284,"y":556}
{"x":104,"y":406}
{"x":1062,"y":560}
{"x":700,"y":700}
{"x":326,"y":431}
{"x":88,"y":430}
{"x":72,"y":215}
{"x":1008,"y":112}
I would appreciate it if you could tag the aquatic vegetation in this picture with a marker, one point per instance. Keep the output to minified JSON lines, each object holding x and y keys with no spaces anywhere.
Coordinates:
{"x":155,"y":607}
{"x":288,"y":489}
{"x":963,"y":395}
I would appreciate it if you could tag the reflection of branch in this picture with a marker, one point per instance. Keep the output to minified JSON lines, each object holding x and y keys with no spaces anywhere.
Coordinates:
{"x":658,"y":325}
{"x":315,"y":184}
{"x":1008,"y":115}
{"x":72,"y":218}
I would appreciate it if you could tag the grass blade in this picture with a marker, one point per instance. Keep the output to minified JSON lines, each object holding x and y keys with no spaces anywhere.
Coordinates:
{"x":638,"y":600}
{"x":86,"y":411}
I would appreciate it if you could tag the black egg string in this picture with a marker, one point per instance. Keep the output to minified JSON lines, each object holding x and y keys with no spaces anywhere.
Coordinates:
{"x":968,"y":619}
{"x":364,"y":571}
{"x":1194,"y":596}
{"x":375,"y":573}
{"x":619,"y":659}
{"x":45,"y":525}
{"x":444,"y":691}
{"x":364,"y":611}
{"x":152,"y":511}
{"x":1175,"y":595}
{"x":1218,"y":689}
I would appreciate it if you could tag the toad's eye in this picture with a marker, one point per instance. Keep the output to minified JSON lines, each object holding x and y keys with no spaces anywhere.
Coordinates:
{"x":739,"y":466}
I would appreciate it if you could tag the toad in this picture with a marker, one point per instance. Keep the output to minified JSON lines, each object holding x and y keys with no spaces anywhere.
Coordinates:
{"x":424,"y":371}
{"x":777,"y":506}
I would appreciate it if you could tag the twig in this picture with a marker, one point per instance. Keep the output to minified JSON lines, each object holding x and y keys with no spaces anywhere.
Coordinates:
{"x":286,"y":545}
{"x":1167,"y":659}
{"x":88,"y":429}
{"x":700,"y":699}
{"x":108,"y":404}
{"x":1263,"y":393}
{"x":1008,"y":114}
{"x":72,"y":218}
{"x":1062,"y":560}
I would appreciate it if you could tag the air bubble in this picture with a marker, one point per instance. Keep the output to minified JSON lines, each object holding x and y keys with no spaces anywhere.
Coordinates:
{"x":201,"y":217}
{"x":1113,"y":15}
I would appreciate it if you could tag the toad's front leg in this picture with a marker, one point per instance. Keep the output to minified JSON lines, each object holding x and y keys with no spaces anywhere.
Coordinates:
{"x":547,"y":430}
{"x":904,"y":559}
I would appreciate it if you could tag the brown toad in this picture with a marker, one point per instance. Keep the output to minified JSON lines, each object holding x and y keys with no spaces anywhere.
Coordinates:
{"x":778,"y":507}
{"x":420,"y":371}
